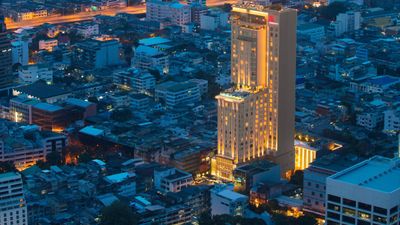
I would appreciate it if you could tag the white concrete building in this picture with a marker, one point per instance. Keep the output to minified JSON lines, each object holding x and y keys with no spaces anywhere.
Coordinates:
{"x":35,"y":72}
{"x":170,"y":179}
{"x":174,"y":94}
{"x":96,"y":54}
{"x":24,"y":152}
{"x":391,"y":121}
{"x":20,"y":52}
{"x":48,"y":45}
{"x":369,"y":120}
{"x":88,"y":29}
{"x":135,"y":79}
{"x":150,"y":58}
{"x":213,"y":19}
{"x":203,"y":85}
{"x":225,"y":201}
{"x":122,"y":183}
{"x":177,"y":13}
{"x":12,"y":201}
{"x":366,"y":193}
{"x":347,"y":22}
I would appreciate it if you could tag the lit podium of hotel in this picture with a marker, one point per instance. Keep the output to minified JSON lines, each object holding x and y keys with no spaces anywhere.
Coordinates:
{"x":256,"y":116}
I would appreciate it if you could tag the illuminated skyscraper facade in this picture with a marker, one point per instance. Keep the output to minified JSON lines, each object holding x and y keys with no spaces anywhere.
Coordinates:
{"x":256,"y":116}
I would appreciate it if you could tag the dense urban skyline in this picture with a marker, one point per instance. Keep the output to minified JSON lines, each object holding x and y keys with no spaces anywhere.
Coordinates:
{"x":271,"y":112}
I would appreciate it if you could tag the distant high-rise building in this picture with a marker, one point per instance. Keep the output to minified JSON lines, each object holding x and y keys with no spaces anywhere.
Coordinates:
{"x":256,"y":117}
{"x":5,"y":56}
{"x":12,"y":201}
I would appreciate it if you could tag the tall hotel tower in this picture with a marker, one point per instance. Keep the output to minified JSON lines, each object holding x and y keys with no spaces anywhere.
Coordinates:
{"x":256,"y":116}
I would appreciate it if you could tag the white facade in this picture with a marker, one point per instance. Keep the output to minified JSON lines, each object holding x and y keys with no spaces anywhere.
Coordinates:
{"x":213,"y":19}
{"x":135,"y":79}
{"x":48,"y":45}
{"x":29,"y":15}
{"x":26,"y":156}
{"x":171,"y":179}
{"x":12,"y":201}
{"x":369,"y":120}
{"x":97,"y":54}
{"x":178,"y":93}
{"x":366,"y":193}
{"x":391,"y":121}
{"x":225,"y":201}
{"x":88,"y":29}
{"x":150,"y":58}
{"x":202,"y":84}
{"x":347,"y":22}
{"x":33,"y":73}
{"x":120,"y":100}
{"x":158,"y":10}
{"x":20,"y":52}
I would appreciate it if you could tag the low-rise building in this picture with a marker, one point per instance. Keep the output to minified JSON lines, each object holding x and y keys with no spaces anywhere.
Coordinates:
{"x":135,"y":79}
{"x":174,"y":11}
{"x":249,"y":175}
{"x":150,"y":58}
{"x":311,"y":31}
{"x":226,"y":201}
{"x":20,"y":51}
{"x":32,"y":73}
{"x":169,"y":179}
{"x":140,"y":101}
{"x":96,"y":54}
{"x":314,"y":184}
{"x":122,"y":184}
{"x":174,"y":94}
{"x":213,"y":19}
{"x":13,"y":205}
{"x":42,"y":91}
{"x":391,"y":121}
{"x":48,"y":45}
{"x":366,"y":193}
{"x":25,"y":145}
{"x":87,"y":30}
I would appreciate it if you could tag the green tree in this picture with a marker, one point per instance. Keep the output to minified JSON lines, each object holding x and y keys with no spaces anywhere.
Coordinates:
{"x":297,"y":178}
{"x":54,"y":158}
{"x":332,"y":10}
{"x":84,"y":158}
{"x":309,"y":220}
{"x":118,"y":213}
{"x":93,"y":99}
{"x":7,"y":167}
{"x":42,"y":165}
{"x":121,"y":115}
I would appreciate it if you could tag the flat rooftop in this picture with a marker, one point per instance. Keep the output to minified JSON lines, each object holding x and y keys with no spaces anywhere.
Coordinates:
{"x":153,"y":41}
{"x":41,"y":90}
{"x":379,"y":173}
{"x":9,"y":175}
{"x":335,"y":162}
{"x":48,"y":107}
{"x":231,"y":195}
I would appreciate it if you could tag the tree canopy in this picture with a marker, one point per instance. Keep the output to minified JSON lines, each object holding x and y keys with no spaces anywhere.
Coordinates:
{"x":121,"y":115}
{"x":118,"y":213}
